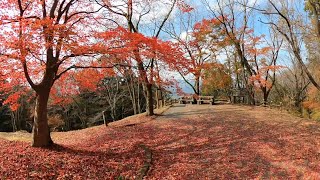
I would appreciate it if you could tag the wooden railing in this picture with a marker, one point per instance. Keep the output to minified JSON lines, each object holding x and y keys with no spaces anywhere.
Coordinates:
{"x":186,"y":100}
{"x":169,"y":102}
{"x":205,"y":99}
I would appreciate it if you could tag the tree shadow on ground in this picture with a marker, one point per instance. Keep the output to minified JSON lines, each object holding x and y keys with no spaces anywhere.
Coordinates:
{"x":221,"y":144}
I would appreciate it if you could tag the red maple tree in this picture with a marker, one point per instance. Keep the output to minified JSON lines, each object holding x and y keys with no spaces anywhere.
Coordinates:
{"x":200,"y":46}
{"x":43,"y":41}
{"x":40,"y":42}
{"x":131,"y":14}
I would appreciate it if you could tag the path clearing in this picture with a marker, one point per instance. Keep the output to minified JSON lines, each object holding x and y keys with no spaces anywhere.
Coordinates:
{"x":236,"y":142}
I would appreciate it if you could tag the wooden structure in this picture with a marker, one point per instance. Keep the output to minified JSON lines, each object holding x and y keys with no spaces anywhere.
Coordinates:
{"x":187,"y":100}
{"x":196,"y":100}
{"x":205,"y":99}
{"x":240,"y":95}
{"x":169,"y":102}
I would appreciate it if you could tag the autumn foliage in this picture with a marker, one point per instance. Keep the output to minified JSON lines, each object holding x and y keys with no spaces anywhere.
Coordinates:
{"x":73,"y":64}
{"x":216,"y":78}
{"x":53,"y":40}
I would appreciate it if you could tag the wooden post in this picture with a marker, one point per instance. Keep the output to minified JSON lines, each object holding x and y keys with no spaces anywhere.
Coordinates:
{"x":104,"y":118}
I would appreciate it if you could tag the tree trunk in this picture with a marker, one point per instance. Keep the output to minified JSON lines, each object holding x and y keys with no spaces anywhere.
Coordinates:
{"x":157,"y":99}
{"x":197,"y":85}
{"x":147,"y":86}
{"x":251,"y":95}
{"x":13,"y":121}
{"x":265,"y":92}
{"x":132,"y":93}
{"x":265,"y":97}
{"x":298,"y":102}
{"x":134,"y":102}
{"x":138,"y":105}
{"x":161,"y":99}
{"x":149,"y":99}
{"x":41,"y":132}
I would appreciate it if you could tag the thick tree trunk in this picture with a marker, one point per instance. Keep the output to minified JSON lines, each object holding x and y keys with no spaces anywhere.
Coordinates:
{"x":147,"y":86}
{"x":41,"y":132}
{"x":149,"y":99}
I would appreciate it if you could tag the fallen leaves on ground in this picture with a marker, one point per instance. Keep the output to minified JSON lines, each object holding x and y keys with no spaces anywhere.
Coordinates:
{"x":192,"y":142}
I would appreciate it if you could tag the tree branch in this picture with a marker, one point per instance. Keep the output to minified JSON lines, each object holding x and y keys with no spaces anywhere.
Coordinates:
{"x":90,"y":67}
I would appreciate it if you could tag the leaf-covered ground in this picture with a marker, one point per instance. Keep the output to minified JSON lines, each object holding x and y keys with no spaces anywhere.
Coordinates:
{"x":187,"y":142}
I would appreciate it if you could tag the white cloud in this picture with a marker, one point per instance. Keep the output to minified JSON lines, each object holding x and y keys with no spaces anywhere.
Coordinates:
{"x":237,"y":5}
{"x":156,"y":10}
{"x":144,"y":11}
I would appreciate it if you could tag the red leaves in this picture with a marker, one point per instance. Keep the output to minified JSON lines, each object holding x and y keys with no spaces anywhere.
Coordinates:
{"x":188,"y":142}
{"x":60,"y":162}
{"x":135,"y":48}
{"x":12,"y":100}
{"x":36,"y":41}
{"x":123,"y":43}
{"x":88,"y":79}
{"x":55,"y":38}
{"x":200,"y":46}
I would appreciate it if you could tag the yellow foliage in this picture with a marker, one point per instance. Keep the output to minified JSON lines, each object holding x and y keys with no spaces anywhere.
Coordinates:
{"x":215,"y":78}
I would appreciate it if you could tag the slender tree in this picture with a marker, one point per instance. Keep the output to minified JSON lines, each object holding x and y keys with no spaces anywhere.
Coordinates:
{"x":234,"y":17}
{"x":289,"y":26}
{"x":200,"y":42}
{"x":135,"y":13}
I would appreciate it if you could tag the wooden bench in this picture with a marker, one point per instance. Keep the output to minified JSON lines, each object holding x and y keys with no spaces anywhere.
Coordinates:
{"x":205,"y":99}
{"x":186,"y":100}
